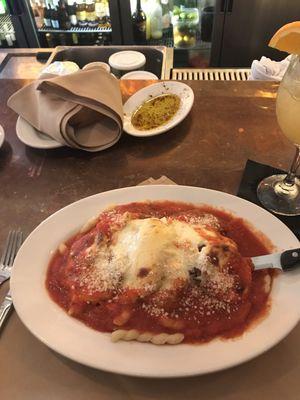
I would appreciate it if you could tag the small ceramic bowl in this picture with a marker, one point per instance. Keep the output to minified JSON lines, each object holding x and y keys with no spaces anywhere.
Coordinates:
{"x":142,"y":75}
{"x":96,"y":64}
{"x":58,"y":68}
{"x":123,"y":62}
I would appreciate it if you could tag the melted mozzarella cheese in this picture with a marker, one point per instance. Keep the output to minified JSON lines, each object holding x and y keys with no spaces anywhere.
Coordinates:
{"x":156,"y":252}
{"x":152,"y":254}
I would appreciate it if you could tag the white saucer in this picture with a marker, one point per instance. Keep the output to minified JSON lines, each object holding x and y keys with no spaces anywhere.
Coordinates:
{"x":2,"y":135}
{"x":182,"y":90}
{"x":33,"y":138}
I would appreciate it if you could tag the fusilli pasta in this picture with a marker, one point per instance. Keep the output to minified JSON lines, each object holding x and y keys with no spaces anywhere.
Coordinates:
{"x":133,"y":334}
{"x":90,"y":224}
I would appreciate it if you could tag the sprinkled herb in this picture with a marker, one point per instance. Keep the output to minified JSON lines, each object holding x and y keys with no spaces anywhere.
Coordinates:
{"x":155,"y":112}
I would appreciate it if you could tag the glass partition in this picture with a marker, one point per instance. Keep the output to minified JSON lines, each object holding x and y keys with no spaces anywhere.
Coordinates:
{"x":7,"y":31}
{"x":72,"y":22}
{"x":186,"y":25}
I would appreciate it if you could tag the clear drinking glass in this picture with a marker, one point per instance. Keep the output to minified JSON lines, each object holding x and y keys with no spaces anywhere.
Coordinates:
{"x":281,"y":193}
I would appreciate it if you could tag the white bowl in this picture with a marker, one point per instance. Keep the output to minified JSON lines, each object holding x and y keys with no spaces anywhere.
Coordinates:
{"x":95,"y":65}
{"x":58,"y":68}
{"x":126,"y":61}
{"x":183,"y":91}
{"x":142,"y":75}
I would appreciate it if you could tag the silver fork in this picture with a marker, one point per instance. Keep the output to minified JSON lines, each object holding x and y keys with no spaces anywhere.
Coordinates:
{"x":5,"y":308}
{"x":13,"y":243}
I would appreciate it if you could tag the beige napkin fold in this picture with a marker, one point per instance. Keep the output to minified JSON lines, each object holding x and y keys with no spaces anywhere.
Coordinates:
{"x":163,"y":180}
{"x":82,"y":110}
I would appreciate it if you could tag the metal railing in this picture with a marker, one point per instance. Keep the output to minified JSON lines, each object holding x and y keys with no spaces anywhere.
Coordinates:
{"x":210,"y":74}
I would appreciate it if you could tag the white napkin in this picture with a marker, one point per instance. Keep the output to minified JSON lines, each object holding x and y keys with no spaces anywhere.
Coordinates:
{"x":268,"y":70}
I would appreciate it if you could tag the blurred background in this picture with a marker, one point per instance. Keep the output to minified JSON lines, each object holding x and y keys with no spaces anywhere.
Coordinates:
{"x":203,"y":33}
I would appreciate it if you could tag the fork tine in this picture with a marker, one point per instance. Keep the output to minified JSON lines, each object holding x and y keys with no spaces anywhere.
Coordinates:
{"x":13,"y":249}
{"x":8,"y":247}
{"x":20,"y":240}
{"x":8,"y":239}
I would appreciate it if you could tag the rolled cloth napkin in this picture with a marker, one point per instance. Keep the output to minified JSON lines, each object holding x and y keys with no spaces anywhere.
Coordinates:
{"x":268,"y":70}
{"x":82,"y":110}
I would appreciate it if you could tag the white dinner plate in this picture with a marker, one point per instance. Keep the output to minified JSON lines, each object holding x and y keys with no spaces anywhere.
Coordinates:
{"x":2,"y":136}
{"x":34,"y":138}
{"x":71,"y":338}
{"x":182,"y":90}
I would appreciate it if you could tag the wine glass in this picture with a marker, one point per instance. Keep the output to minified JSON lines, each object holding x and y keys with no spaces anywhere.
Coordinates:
{"x":281,"y":193}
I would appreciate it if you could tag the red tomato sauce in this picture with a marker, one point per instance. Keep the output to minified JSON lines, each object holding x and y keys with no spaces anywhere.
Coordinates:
{"x":194,"y":312}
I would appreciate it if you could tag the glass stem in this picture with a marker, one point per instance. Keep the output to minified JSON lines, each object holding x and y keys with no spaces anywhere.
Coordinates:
{"x":291,"y":176}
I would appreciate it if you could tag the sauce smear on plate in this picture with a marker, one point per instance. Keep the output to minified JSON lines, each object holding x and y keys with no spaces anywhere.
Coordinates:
{"x":155,"y":112}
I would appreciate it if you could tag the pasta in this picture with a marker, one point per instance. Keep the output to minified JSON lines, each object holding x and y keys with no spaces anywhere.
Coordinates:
{"x":121,"y":319}
{"x":158,"y":339}
{"x":89,"y":225}
{"x":62,"y":248}
{"x":161,"y":273}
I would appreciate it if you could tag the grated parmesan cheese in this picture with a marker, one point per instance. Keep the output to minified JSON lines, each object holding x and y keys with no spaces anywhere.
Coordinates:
{"x":158,"y":255}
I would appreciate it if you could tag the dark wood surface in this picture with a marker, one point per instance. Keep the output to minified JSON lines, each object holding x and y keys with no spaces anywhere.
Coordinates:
{"x":229,"y":123}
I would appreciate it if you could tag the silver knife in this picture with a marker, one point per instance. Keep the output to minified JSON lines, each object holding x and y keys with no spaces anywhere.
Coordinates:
{"x":287,"y":260}
{"x":5,"y":308}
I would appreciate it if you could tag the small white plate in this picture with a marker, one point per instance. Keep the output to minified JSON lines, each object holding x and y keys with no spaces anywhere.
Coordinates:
{"x":2,"y":135}
{"x":34,"y":138}
{"x":184,"y":92}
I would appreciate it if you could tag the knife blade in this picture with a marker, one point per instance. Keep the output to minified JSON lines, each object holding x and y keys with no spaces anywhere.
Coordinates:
{"x":284,"y":261}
